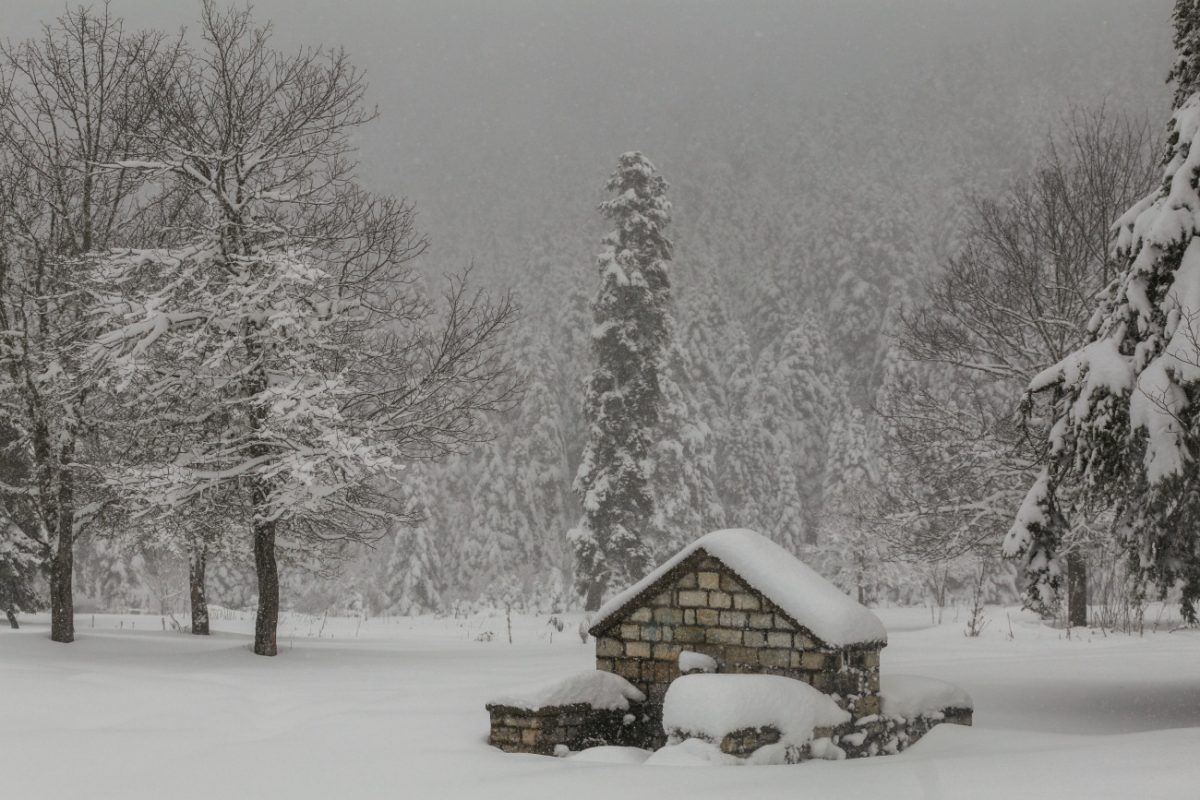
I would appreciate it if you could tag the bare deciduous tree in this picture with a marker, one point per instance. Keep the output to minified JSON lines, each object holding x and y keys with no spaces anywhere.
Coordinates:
{"x":69,"y":101}
{"x":1015,"y":300}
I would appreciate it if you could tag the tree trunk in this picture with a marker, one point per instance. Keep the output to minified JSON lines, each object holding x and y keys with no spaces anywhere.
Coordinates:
{"x":12,"y":617}
{"x":197,"y":565}
{"x":62,"y":600}
{"x":267,"y":619}
{"x":595,"y":593}
{"x":1076,"y":590}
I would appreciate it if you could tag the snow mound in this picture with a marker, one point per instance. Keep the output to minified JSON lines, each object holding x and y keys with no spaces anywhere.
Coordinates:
{"x":813,"y":602}
{"x":711,"y":706}
{"x":691,"y":753}
{"x":911,"y":696}
{"x":598,"y":689}
{"x":610,"y":754}
{"x":691,"y":661}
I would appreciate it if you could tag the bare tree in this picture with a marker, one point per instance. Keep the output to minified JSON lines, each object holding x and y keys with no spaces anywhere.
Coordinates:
{"x":68,"y":101}
{"x":290,"y":316}
{"x":1015,"y":300}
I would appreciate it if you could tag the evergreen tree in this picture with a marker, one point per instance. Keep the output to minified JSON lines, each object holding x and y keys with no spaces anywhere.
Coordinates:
{"x":623,"y":393}
{"x":1185,"y":73}
{"x":1125,"y":407}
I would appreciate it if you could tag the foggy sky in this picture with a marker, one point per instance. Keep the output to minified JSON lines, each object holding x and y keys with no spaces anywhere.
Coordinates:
{"x":486,"y":103}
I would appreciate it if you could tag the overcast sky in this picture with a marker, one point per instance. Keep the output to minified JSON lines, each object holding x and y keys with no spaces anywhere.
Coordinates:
{"x":483,"y":99}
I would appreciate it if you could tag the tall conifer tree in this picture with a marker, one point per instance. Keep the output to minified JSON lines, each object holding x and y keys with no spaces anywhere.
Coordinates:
{"x":622,"y":395}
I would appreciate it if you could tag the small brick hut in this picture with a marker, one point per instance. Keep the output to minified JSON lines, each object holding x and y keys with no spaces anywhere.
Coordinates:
{"x":752,"y":606}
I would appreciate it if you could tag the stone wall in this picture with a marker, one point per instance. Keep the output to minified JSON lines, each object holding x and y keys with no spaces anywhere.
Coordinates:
{"x":703,"y":606}
{"x":882,"y":735}
{"x":578,"y":726}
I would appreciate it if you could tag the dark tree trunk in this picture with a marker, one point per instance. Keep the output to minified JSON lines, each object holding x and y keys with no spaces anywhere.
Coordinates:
{"x":197,"y":565}
{"x":12,"y":618}
{"x":267,"y":619}
{"x":62,"y":601}
{"x":1077,"y":595}
{"x":595,"y":593}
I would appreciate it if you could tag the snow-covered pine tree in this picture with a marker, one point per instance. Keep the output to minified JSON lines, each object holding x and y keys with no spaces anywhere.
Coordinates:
{"x":1125,"y":407}
{"x":623,"y":397}
{"x":1185,"y":73}
{"x":683,"y":475}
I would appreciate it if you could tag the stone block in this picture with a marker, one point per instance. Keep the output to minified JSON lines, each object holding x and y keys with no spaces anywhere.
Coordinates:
{"x":666,"y":652}
{"x":754,"y":639}
{"x":803,"y":641}
{"x":735,"y":654}
{"x":663,"y":599}
{"x":779,"y":639}
{"x":711,"y":564}
{"x":813,"y":661}
{"x":687,"y":635}
{"x":693,"y":598}
{"x":666,"y":633}
{"x":866,"y":705}
{"x":643,"y":614}
{"x":708,"y":616}
{"x":720,"y":600}
{"x":650,"y":633}
{"x":665,"y":671}
{"x":689,"y":616}
{"x":730,"y":584}
{"x":774,"y":658}
{"x":722,"y":636}
{"x":607,"y":646}
{"x":870,"y":658}
{"x":628,"y":668}
{"x":671,"y":615}
{"x":631,"y":630}
{"x":783,"y":623}
{"x":709,"y":580}
{"x":746,"y":602}
{"x":637,"y":649}
{"x":529,"y":737}
{"x":686,"y":581}
{"x":761,"y":621}
{"x":733,"y":619}
{"x":604,"y":664}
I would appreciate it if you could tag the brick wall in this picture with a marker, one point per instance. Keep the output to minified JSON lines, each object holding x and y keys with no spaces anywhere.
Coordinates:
{"x":703,"y":606}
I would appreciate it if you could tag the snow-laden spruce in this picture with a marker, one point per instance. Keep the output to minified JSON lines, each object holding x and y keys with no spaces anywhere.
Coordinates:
{"x":1124,"y":429}
{"x":623,"y":395}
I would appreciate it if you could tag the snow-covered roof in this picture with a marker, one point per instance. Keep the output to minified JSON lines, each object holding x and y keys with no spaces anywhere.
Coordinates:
{"x":810,"y":600}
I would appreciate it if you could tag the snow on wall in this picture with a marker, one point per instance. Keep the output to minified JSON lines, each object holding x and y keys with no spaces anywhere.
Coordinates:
{"x":600,"y":690}
{"x":818,"y":605}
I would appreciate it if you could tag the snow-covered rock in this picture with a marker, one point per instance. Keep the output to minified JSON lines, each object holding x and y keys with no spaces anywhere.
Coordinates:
{"x":911,"y":696}
{"x":711,"y":707}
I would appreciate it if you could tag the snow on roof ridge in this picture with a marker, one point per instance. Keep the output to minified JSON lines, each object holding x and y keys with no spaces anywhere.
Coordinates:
{"x":813,"y":602}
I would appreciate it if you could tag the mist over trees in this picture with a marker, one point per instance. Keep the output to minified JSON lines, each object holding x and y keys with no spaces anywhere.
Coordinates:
{"x":830,"y":211}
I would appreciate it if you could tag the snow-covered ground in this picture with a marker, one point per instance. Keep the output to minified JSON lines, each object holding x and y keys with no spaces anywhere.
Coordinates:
{"x":394,"y":708}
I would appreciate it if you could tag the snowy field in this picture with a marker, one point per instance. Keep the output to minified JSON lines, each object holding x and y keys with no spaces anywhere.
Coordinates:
{"x":394,"y":708}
